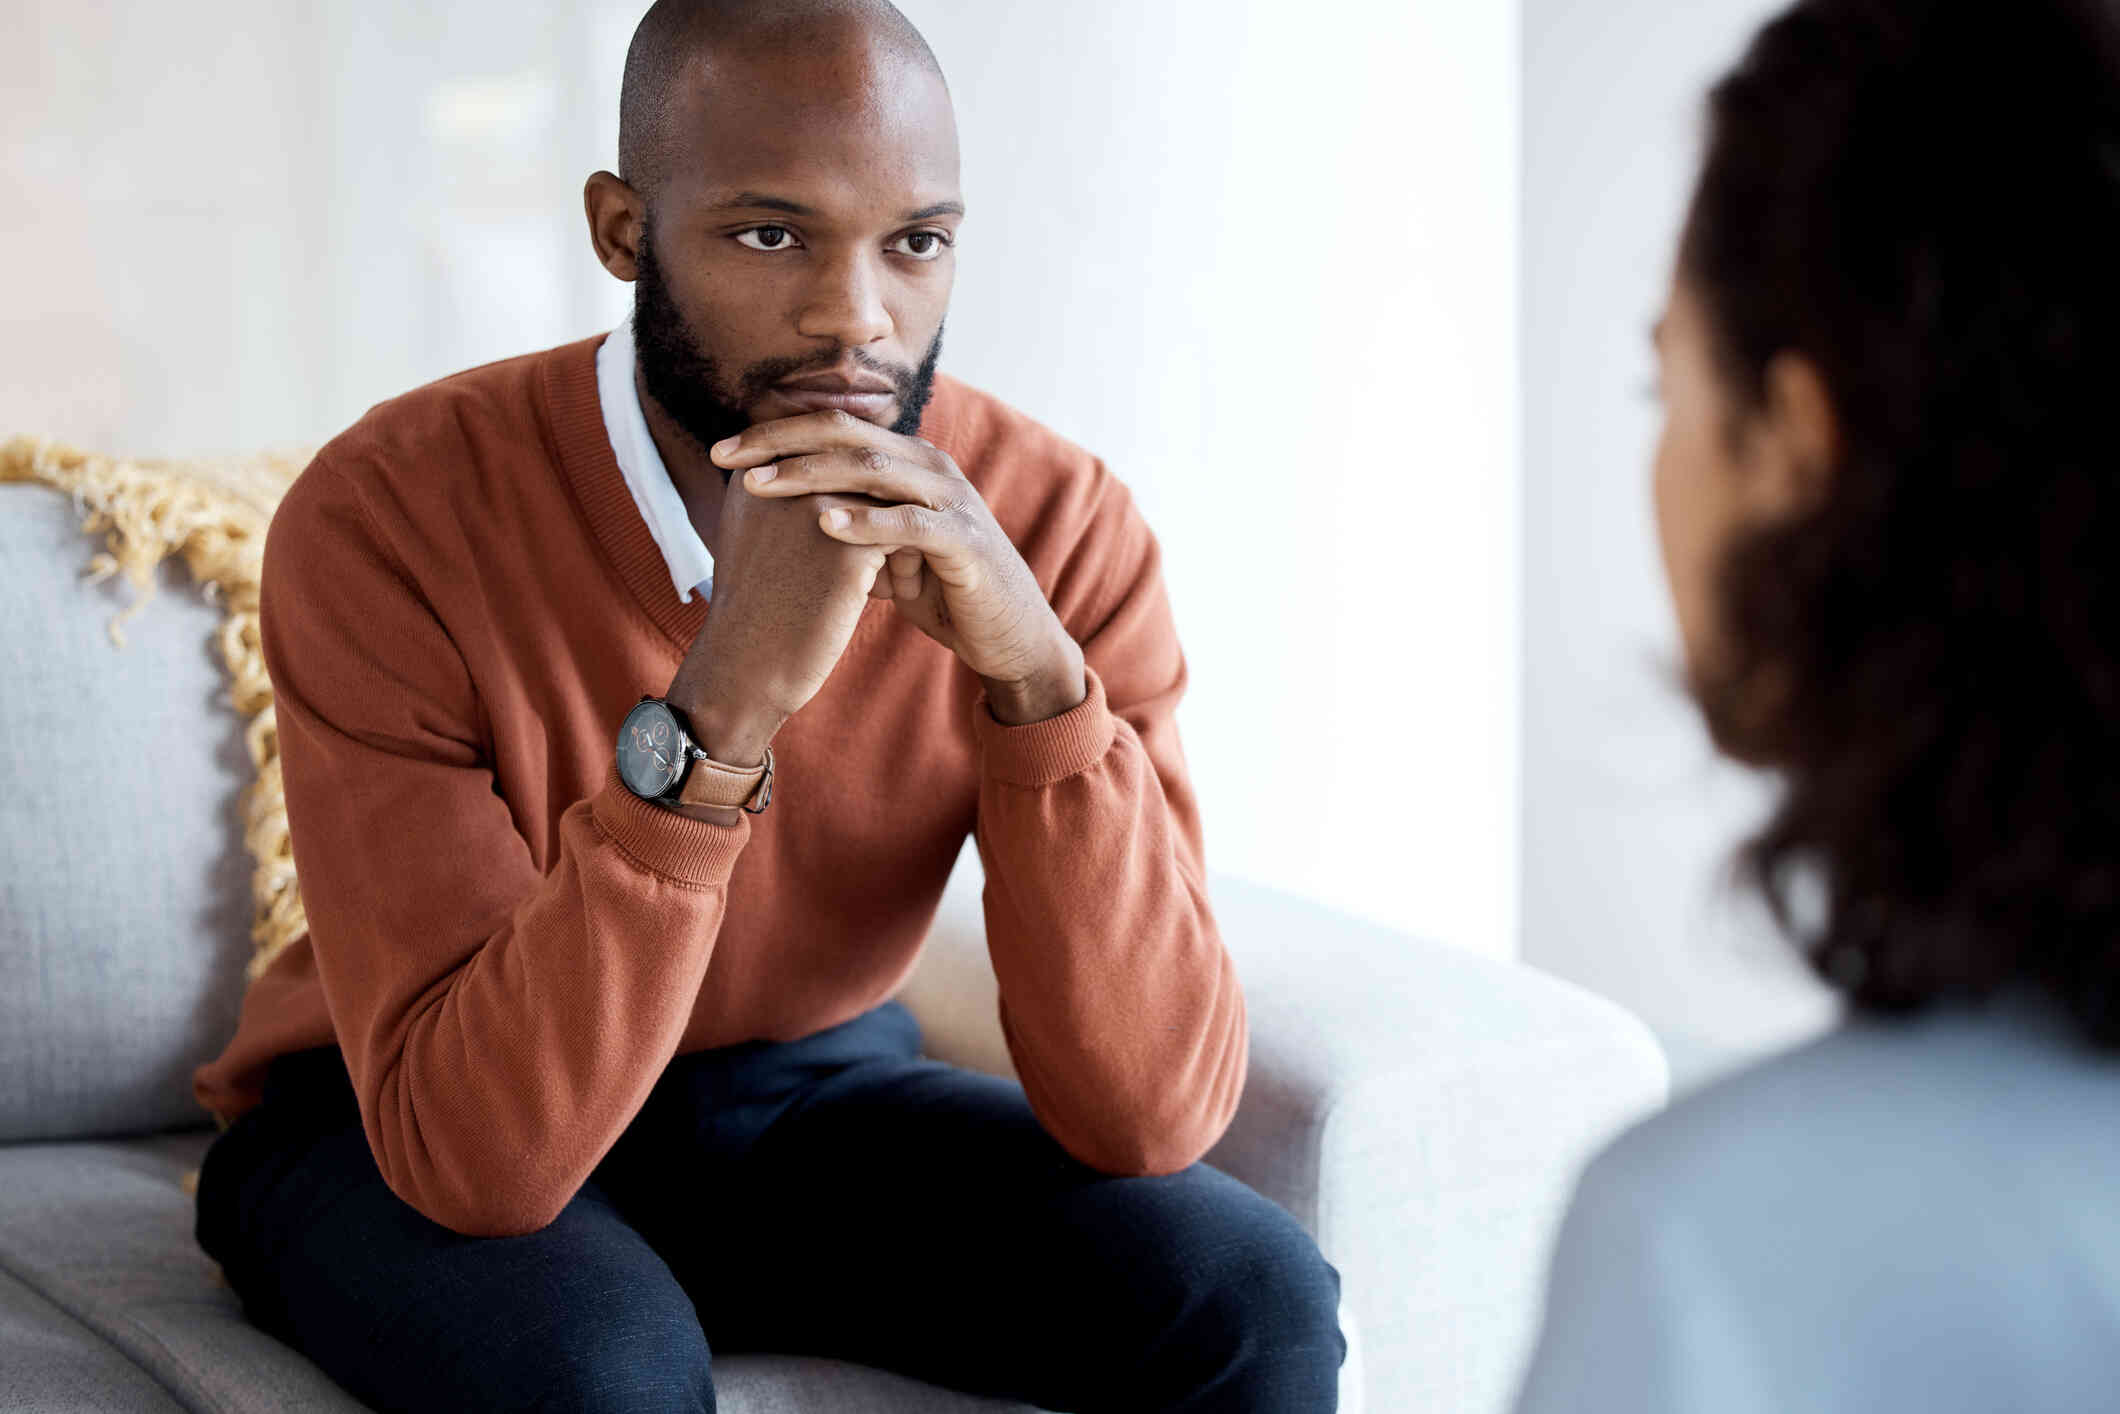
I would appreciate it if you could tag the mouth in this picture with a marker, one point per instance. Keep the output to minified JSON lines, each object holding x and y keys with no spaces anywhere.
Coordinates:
{"x":868,"y":396}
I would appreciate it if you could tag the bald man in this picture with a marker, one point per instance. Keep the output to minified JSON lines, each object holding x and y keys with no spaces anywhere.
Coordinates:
{"x":635,"y":698}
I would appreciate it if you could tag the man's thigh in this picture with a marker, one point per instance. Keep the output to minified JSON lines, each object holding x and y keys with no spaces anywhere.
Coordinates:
{"x":915,"y":1216}
{"x":407,"y":1314}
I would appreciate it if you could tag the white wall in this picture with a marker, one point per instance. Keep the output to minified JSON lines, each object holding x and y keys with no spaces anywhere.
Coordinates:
{"x":242,"y":224}
{"x":1628,"y":818}
{"x":1264,"y":265}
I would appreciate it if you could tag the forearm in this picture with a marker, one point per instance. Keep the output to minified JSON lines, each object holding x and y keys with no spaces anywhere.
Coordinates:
{"x":1121,"y":1007}
{"x":490,"y":1093}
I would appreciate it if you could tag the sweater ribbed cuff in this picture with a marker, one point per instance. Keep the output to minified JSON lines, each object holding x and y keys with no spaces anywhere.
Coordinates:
{"x":676,"y":846}
{"x":1040,"y":753}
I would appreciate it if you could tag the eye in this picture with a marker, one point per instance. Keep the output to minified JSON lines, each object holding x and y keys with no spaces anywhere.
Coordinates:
{"x":767,"y":238}
{"x":922,"y":245}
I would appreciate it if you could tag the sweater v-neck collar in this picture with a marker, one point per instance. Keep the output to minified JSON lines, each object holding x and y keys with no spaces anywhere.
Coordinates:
{"x":574,"y":412}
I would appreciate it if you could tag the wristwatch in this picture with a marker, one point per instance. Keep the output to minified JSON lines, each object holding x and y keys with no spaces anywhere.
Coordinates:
{"x":659,"y":761}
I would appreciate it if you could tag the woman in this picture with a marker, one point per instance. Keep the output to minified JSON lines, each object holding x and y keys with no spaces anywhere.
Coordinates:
{"x":1888,"y":494}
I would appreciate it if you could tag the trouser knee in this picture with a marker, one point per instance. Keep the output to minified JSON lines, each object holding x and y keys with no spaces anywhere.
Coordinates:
{"x":1275,"y":1316}
{"x":1256,"y":1323}
{"x":635,"y":1358}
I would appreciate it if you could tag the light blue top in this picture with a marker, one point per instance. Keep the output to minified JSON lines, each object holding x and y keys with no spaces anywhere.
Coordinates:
{"x":691,"y":565}
{"x":1900,"y":1216}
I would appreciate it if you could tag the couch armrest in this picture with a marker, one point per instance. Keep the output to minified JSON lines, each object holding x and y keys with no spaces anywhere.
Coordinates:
{"x":1421,"y":1110}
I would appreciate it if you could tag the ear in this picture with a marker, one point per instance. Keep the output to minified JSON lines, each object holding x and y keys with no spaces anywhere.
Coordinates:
{"x":1799,"y":438}
{"x":616,"y":212}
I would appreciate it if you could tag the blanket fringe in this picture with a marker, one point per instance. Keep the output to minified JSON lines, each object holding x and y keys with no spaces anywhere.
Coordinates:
{"x":213,"y":514}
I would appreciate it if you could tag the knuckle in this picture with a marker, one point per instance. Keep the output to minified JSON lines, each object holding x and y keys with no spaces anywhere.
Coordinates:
{"x":841,"y":420}
{"x":873,"y":458}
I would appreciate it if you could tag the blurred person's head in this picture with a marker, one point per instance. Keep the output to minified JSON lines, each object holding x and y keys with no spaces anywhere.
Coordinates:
{"x":1888,"y":489}
{"x":786,"y":207}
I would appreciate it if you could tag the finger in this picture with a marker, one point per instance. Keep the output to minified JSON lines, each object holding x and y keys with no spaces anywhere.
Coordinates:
{"x":880,"y":585}
{"x":798,"y":436}
{"x":879,"y":579}
{"x":938,"y":536}
{"x":853,"y":471}
{"x":905,"y":573}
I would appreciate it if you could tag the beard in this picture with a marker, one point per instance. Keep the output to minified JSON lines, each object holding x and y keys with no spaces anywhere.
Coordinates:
{"x":687,"y":381}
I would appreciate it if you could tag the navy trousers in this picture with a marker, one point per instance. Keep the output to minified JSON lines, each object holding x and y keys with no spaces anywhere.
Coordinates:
{"x":838,"y":1195}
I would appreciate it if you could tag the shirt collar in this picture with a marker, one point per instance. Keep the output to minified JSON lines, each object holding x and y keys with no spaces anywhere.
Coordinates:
{"x":690,"y":563}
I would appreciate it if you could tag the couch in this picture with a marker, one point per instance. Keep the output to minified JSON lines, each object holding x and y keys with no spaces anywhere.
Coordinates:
{"x":1420,"y":1110}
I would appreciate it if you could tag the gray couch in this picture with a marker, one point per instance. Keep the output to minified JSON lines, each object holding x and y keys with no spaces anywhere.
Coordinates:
{"x":1420,"y":1110}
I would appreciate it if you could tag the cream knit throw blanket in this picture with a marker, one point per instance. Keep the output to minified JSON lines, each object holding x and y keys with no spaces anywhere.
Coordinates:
{"x":214,"y":514}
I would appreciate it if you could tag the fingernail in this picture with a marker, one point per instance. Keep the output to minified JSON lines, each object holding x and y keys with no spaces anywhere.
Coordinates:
{"x":760,"y":475}
{"x":725,"y":447}
{"x":837,"y":519}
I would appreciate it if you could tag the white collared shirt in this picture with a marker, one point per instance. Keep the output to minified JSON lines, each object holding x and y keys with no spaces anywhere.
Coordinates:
{"x":691,"y":565}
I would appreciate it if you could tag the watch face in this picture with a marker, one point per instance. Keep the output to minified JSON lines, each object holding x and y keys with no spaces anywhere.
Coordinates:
{"x":650,"y":757}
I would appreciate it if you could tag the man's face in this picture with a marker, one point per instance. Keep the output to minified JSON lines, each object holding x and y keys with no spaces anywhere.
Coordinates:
{"x":710,"y":403}
{"x":800,"y":253}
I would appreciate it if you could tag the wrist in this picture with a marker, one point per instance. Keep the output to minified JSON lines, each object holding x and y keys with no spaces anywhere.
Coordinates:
{"x":733,"y":734}
{"x":1056,"y":687}
{"x":731,"y":737}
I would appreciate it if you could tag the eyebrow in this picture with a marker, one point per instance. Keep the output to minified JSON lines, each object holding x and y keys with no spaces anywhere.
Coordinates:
{"x":940,"y":208}
{"x":757,"y":200}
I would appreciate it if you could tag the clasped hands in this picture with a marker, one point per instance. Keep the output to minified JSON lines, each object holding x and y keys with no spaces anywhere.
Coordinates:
{"x":948,"y":565}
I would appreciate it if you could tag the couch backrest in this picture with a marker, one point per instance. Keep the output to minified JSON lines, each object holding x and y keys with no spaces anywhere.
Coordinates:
{"x":124,"y":884}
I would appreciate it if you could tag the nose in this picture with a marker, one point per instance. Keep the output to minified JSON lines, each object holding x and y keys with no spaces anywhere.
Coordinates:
{"x":845,"y":304}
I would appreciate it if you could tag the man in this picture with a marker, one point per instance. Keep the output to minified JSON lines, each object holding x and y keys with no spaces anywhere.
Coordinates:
{"x":589,"y":1063}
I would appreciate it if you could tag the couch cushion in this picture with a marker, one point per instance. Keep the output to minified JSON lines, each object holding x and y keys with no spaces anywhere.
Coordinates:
{"x":125,"y":905}
{"x":110,"y":1285}
{"x":49,"y":1360}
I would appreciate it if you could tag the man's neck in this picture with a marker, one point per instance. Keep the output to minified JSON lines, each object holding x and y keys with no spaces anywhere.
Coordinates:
{"x":699,"y":482}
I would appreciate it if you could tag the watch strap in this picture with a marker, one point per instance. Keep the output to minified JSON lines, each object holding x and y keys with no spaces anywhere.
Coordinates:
{"x":718,"y":784}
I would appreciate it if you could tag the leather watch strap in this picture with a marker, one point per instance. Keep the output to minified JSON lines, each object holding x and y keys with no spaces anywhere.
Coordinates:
{"x":710,"y":782}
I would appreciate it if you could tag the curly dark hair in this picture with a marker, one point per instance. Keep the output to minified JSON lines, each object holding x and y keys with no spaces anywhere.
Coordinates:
{"x":1923,"y":198}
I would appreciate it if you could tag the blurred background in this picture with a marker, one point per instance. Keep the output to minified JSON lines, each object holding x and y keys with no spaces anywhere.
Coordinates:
{"x":1353,"y":295}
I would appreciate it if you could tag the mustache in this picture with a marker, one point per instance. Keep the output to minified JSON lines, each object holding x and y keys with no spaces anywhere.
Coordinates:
{"x":760,"y":377}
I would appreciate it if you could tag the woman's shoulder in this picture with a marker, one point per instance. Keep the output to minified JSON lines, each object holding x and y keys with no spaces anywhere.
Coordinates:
{"x":1900,"y":1215}
{"x":1883,"y":1125}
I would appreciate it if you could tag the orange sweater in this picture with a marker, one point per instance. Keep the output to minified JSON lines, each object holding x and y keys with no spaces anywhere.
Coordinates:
{"x":460,"y":603}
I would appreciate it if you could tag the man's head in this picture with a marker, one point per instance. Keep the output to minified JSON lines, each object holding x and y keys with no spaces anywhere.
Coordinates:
{"x":787,"y":208}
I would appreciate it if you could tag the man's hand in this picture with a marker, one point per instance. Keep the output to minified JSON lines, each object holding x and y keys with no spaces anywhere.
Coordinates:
{"x":948,"y":565}
{"x":786,"y":601}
